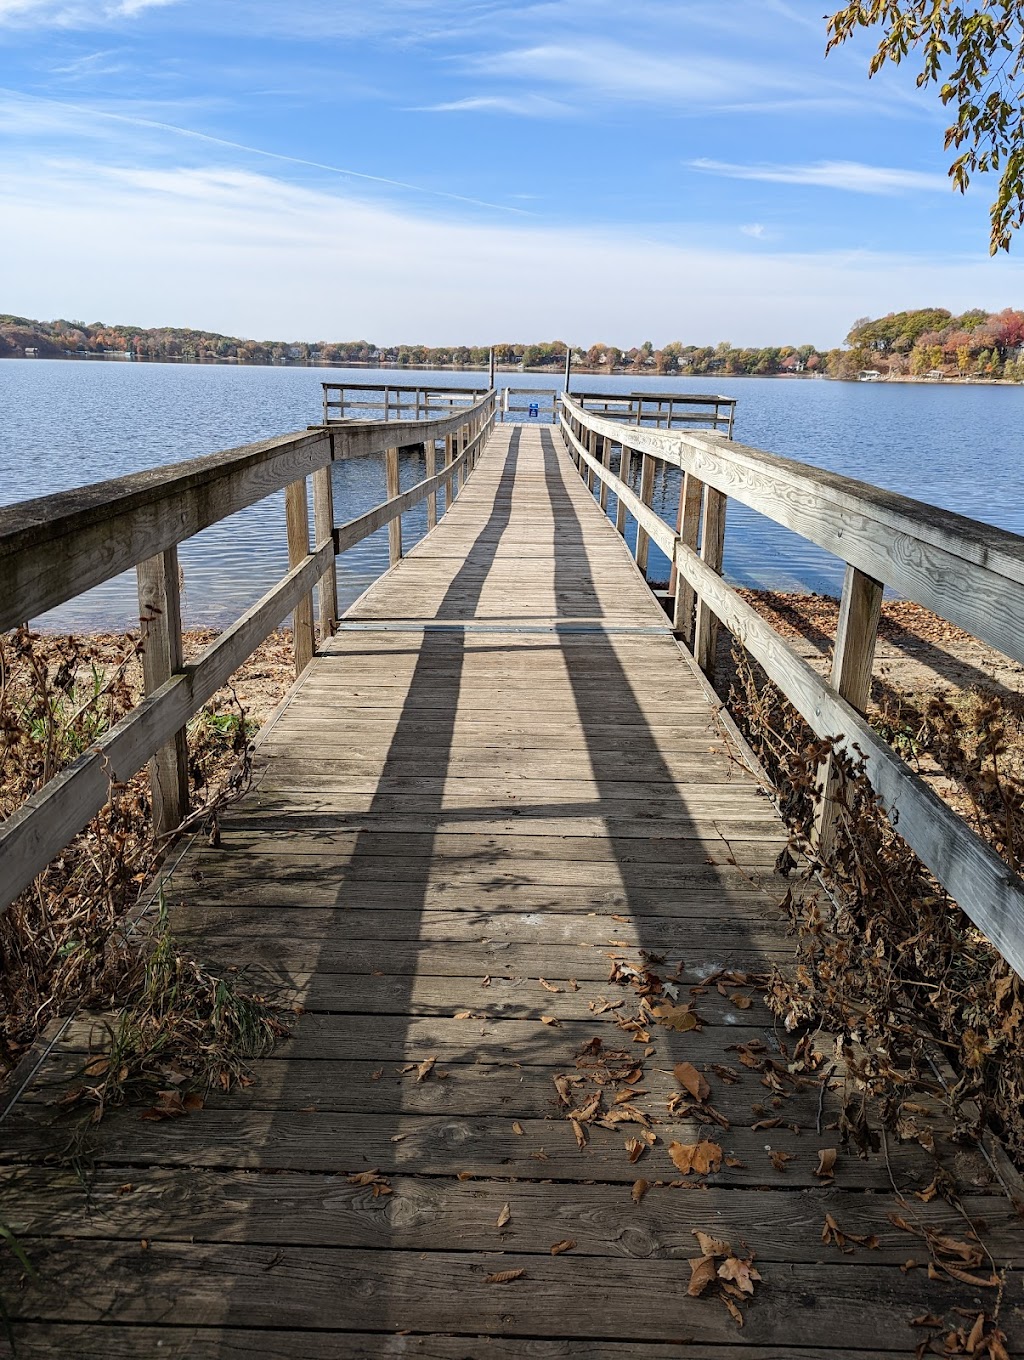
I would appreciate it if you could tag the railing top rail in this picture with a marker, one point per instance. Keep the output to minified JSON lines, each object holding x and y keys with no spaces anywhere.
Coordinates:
{"x":55,"y":547}
{"x":679,"y":398}
{"x":400,"y":387}
{"x":795,"y":494}
{"x":988,"y":890}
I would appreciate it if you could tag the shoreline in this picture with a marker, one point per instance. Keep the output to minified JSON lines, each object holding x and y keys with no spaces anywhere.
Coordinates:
{"x":556,"y":373}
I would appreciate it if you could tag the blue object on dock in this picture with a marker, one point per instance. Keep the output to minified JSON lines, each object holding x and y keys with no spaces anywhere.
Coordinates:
{"x":534,"y":408}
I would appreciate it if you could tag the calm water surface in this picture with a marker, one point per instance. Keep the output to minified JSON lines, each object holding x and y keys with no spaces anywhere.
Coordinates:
{"x":66,"y":423}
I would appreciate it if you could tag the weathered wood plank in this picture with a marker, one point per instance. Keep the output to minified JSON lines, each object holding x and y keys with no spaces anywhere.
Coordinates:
{"x":182,"y":1204}
{"x":865,"y":1307}
{"x":443,"y":1145}
{"x":88,"y":1342}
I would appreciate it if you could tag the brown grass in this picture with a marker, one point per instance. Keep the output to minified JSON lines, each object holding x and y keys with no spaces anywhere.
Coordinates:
{"x":60,"y":943}
{"x":892,"y":959}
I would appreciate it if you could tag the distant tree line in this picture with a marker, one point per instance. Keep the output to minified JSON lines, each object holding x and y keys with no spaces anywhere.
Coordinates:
{"x":932,"y":340}
{"x":985,"y":344}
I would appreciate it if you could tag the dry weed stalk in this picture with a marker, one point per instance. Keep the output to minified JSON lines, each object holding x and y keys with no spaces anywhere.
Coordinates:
{"x":891,"y":957}
{"x":59,"y":942}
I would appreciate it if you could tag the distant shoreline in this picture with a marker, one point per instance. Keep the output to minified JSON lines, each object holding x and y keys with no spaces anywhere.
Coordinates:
{"x":944,"y":381}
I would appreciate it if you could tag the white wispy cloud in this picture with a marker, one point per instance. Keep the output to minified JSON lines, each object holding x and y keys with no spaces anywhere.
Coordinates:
{"x":852,"y":176}
{"x":74,"y":13}
{"x":251,"y":254}
{"x":524,"y":106}
{"x":691,"y":80}
{"x":754,"y":229}
{"x":33,"y":115}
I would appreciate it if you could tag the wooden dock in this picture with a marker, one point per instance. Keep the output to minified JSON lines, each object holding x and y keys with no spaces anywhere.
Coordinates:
{"x":508,"y":864}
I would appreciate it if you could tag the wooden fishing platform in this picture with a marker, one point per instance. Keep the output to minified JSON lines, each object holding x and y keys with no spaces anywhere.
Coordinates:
{"x":497,"y":819}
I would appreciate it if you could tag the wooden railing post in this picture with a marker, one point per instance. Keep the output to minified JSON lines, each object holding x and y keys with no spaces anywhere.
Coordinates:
{"x":162,"y":655}
{"x":852,"y":662}
{"x":712,"y":548}
{"x":687,"y":526}
{"x":393,"y":488}
{"x":625,"y":470}
{"x":431,"y":452}
{"x":646,"y":495}
{"x":323,"y":530}
{"x":606,"y":462}
{"x":449,"y":454}
{"x":296,"y":509}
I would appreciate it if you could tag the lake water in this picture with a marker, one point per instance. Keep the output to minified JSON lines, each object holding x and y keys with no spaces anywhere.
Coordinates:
{"x":67,"y":423}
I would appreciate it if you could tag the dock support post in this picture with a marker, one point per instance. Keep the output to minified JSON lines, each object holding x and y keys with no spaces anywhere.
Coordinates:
{"x":162,"y":655}
{"x":712,"y":547}
{"x":393,"y":488}
{"x":852,"y":662}
{"x":625,"y":471}
{"x":646,"y":495}
{"x":430,"y":449}
{"x":323,"y":532}
{"x":296,"y":509}
{"x":449,"y":454}
{"x":687,"y":526}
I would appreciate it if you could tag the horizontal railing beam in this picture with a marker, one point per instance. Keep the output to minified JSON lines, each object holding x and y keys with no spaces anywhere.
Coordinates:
{"x":987,"y":890}
{"x":965,"y":571}
{"x":56,"y":547}
{"x":652,"y":524}
{"x":31,"y":837}
{"x":355,"y":530}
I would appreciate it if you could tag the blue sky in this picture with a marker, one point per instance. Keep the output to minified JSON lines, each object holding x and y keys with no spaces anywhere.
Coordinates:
{"x":474,"y":171}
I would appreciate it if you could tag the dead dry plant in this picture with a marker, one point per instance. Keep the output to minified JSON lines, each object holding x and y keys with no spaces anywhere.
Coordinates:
{"x":61,"y":943}
{"x":889,"y":957}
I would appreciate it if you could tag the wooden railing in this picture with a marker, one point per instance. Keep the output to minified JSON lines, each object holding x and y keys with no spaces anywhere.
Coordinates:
{"x":55,"y":548}
{"x":663,"y":410}
{"x":967,"y":572}
{"x":394,"y":401}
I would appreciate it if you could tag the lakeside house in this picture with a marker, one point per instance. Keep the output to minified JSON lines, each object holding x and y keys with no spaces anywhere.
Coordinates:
{"x":869,"y":375}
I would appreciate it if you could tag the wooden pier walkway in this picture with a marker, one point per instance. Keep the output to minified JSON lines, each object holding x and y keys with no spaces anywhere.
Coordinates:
{"x":506,"y":861}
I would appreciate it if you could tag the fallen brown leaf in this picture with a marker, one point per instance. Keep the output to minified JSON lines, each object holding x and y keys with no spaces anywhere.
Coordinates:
{"x":740,"y":1272}
{"x":640,"y":1188}
{"x":703,"y":1271}
{"x":424,"y":1068}
{"x":518,"y":1129}
{"x":504,"y":1276}
{"x":548,"y":1020}
{"x":504,"y":1216}
{"x":566,"y":1245}
{"x":737,"y":1316}
{"x":550,"y":986}
{"x":680,"y":1018}
{"x":687,"y":1076}
{"x":635,"y":1148}
{"x":711,"y":1246}
{"x":826,"y":1167}
{"x":702,"y":1157}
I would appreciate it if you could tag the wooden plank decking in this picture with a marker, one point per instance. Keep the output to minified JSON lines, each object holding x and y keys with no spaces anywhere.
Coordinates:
{"x":501,"y":777}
